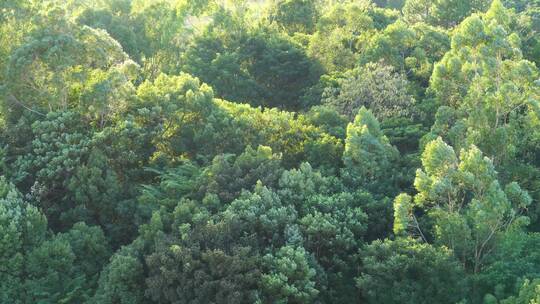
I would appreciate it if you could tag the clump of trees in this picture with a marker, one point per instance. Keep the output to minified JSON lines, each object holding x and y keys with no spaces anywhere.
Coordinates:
{"x":281,"y":151}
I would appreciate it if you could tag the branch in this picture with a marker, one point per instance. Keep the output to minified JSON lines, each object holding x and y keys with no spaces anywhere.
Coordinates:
{"x":14,"y":99}
{"x":417,"y":226}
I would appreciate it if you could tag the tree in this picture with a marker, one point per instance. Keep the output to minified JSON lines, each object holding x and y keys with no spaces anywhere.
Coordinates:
{"x":240,"y":151}
{"x":180,"y":274}
{"x":469,"y":207}
{"x":100,"y":198}
{"x":22,"y":228}
{"x":340,"y":32}
{"x":410,"y":50}
{"x":51,"y":276}
{"x":38,"y":266}
{"x":405,"y":271}
{"x":416,"y":11}
{"x":116,"y":21}
{"x":446,"y":13}
{"x":67,"y":67}
{"x":177,"y":112}
{"x":121,"y":280}
{"x":328,"y":119}
{"x":483,"y":46}
{"x":294,"y":16}
{"x":375,"y":86}
{"x":528,"y":23}
{"x":368,"y":155}
{"x":331,"y":226}
{"x":513,"y":262}
{"x":259,"y":66}
{"x":280,"y":68}
{"x":528,"y":293}
{"x":154,"y":34}
{"x":402,"y":213}
{"x":289,"y":278}
{"x":228,"y":174}
{"x":262,"y":213}
{"x":333,"y":229}
{"x":487,"y":93}
{"x":92,"y":251}
{"x":69,"y":177}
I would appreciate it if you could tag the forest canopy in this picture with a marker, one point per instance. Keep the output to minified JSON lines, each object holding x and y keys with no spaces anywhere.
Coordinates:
{"x":269,"y":151}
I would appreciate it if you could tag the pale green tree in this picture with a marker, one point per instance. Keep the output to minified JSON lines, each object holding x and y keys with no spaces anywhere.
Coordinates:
{"x":368,"y":155}
{"x":289,"y":277}
{"x":471,"y":210}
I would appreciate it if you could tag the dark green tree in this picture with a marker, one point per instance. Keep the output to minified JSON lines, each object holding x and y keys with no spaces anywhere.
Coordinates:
{"x":406,"y":271}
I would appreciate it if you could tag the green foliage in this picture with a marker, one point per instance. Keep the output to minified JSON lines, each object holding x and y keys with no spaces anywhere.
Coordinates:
{"x":446,"y":13}
{"x":179,"y":274}
{"x":289,"y":277}
{"x":488,"y":92}
{"x":402,"y":213}
{"x":178,"y":151}
{"x":409,"y":49}
{"x":470,"y":209}
{"x":40,"y":267}
{"x":328,"y":119}
{"x":414,"y":272}
{"x":376,"y":87}
{"x":97,"y":192}
{"x":284,"y":132}
{"x":260,"y":66}
{"x":339,"y":32}
{"x":22,"y":228}
{"x":180,"y":107}
{"x":294,"y":16}
{"x":121,"y":280}
{"x":528,"y":293}
{"x":263,"y":213}
{"x":515,"y":261}
{"x":62,"y":67}
{"x":227,"y":178}
{"x":368,"y":155}
{"x":90,"y":247}
{"x":59,"y":145}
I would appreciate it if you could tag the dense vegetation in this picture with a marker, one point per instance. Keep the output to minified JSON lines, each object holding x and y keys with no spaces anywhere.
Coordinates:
{"x":280,"y":151}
